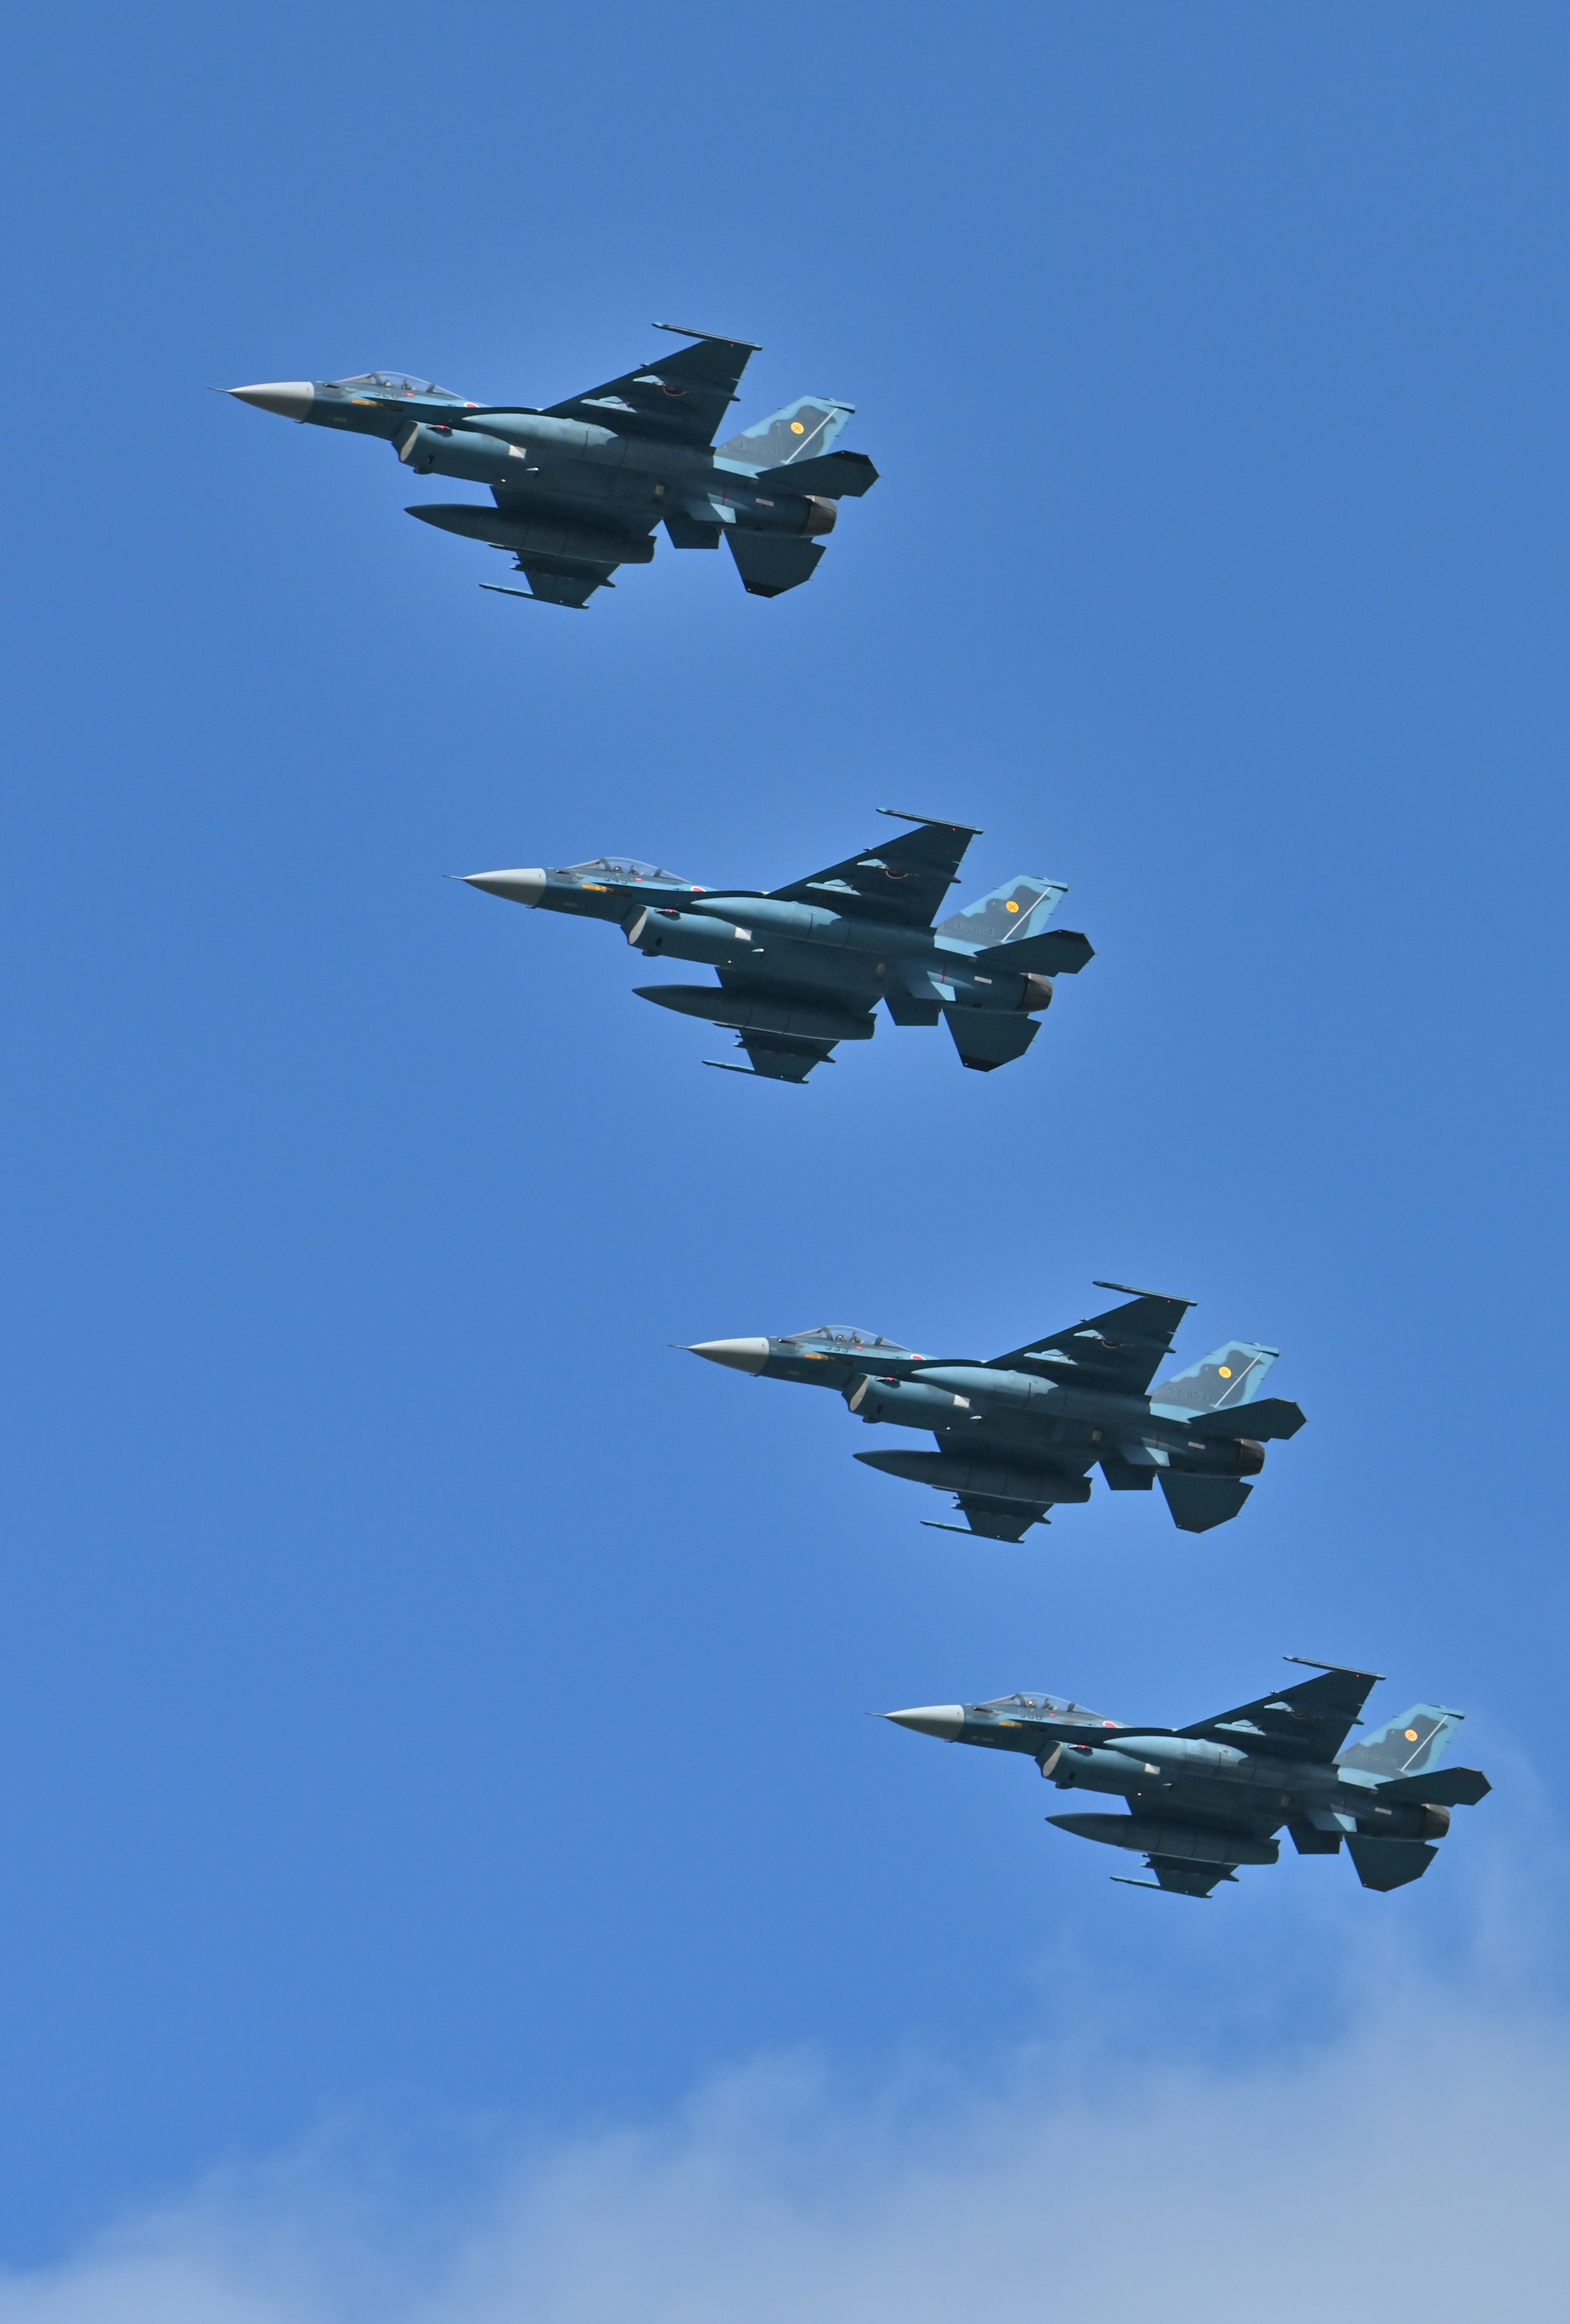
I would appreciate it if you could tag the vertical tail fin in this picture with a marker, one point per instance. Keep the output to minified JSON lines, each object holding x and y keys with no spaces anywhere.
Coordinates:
{"x":1408,"y":1746}
{"x":1229,"y":1375}
{"x":1021,"y":908}
{"x":800,"y":432}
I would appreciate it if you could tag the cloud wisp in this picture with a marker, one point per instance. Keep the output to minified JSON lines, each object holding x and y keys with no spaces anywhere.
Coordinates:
{"x":1416,"y":2164}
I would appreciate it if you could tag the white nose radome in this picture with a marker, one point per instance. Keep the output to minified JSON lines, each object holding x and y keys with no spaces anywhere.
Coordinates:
{"x":943,"y":1719}
{"x":517,"y":887}
{"x":741,"y":1355}
{"x":291,"y":399}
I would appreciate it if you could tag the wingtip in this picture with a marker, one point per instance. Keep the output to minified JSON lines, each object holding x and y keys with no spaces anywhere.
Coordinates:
{"x":939,"y":822}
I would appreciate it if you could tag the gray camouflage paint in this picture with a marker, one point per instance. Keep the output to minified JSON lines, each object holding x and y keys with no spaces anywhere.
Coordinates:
{"x":1020,"y":1433}
{"x":580,"y":487}
{"x":805,"y":966}
{"x":1201,"y":1801}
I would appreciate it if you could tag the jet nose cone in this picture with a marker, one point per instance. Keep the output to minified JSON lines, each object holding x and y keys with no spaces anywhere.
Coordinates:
{"x":291,"y":399}
{"x":517,"y":887}
{"x":741,"y":1355}
{"x":943,"y":1719}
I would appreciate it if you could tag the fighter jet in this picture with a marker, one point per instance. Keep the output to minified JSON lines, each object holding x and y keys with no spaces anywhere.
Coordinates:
{"x":580,"y":487}
{"x":804,"y":967}
{"x":1018,"y":1432}
{"x":1202,"y":1800}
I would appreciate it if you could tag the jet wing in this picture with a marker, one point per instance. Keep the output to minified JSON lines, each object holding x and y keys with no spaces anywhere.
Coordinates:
{"x":557,"y":582}
{"x":1188,"y":1875}
{"x":1178,"y":1877}
{"x":1120,"y":1350}
{"x":778,"y":1057}
{"x":996,"y":1519}
{"x":1310,"y":1720}
{"x":904,"y":882}
{"x":679,"y":399}
{"x":564,"y":564}
{"x":753,"y":1007}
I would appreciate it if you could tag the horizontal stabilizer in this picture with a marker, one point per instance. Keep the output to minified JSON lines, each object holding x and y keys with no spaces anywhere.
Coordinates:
{"x":1272,"y":1416}
{"x":1198,"y":1503}
{"x":1449,"y":1787}
{"x":770,"y":563}
{"x":837,"y":475}
{"x":1056,"y":952}
{"x":986,"y":1041}
{"x":1386,"y":1863}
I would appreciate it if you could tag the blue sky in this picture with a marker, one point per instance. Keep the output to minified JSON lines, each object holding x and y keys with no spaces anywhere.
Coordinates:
{"x":428,"y":1702}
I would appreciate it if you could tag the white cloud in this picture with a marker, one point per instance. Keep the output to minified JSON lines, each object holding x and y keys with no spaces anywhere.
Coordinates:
{"x":1418,"y":2165}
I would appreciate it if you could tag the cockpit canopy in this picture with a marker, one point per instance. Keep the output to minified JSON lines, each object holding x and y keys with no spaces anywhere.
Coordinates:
{"x":842,"y":1340}
{"x":626,"y":868}
{"x":394,"y":383}
{"x":1045,"y":1705}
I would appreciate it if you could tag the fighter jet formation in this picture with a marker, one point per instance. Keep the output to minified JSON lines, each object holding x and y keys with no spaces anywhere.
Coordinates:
{"x":1020,"y":1433}
{"x":578,"y":489}
{"x":804,"y":967}
{"x":581,"y":487}
{"x":1201,"y":1801}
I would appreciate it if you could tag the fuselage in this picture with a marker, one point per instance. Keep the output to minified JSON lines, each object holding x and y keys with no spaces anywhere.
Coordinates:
{"x":566,"y":469}
{"x":853,"y":957}
{"x":986,"y":1413}
{"x":1186,"y":1776}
